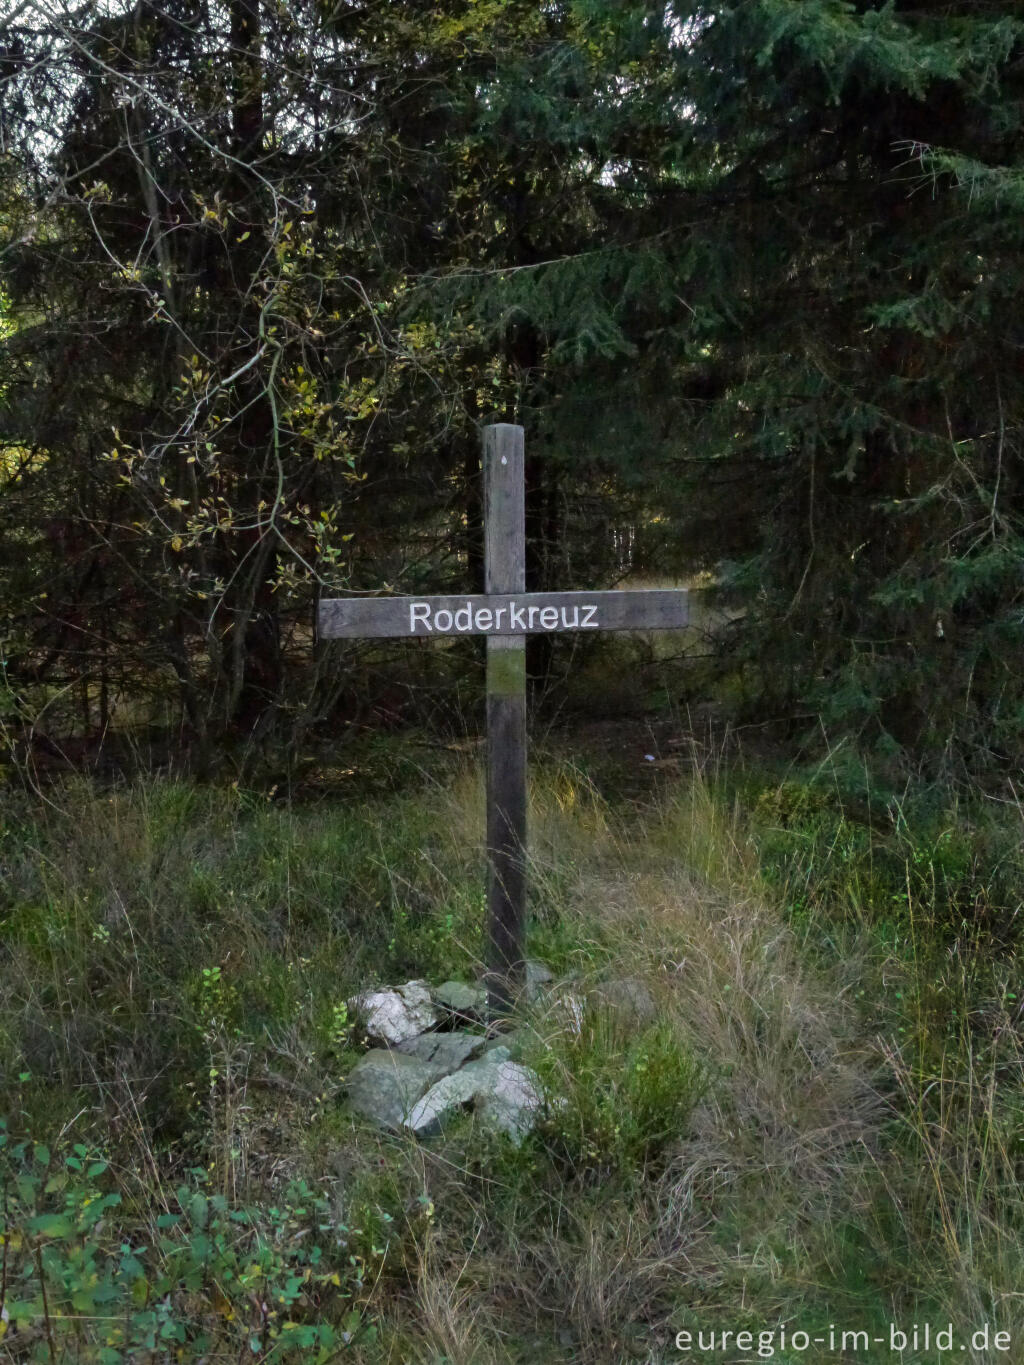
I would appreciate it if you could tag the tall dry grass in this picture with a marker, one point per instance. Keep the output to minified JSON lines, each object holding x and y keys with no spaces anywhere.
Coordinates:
{"x":773,"y":1134}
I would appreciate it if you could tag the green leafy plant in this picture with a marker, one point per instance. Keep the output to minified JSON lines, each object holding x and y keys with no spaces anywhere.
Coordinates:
{"x":88,"y":1276}
{"x":625,"y":1099}
{"x":340,"y":1031}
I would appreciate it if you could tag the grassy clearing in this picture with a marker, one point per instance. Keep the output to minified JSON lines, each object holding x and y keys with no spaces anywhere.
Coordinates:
{"x":819,"y":1123}
{"x":927,"y":894}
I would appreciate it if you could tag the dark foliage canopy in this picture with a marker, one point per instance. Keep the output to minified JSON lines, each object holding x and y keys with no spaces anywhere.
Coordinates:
{"x":750,"y":274}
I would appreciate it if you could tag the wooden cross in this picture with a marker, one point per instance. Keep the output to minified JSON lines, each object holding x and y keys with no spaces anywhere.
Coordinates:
{"x":506,"y":614}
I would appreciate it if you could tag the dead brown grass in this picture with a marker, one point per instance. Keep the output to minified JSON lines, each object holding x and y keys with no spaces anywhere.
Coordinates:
{"x":778,"y":1143}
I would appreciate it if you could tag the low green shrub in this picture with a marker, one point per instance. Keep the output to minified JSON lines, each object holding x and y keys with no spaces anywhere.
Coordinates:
{"x":91,"y":1276}
{"x":624,"y":1099}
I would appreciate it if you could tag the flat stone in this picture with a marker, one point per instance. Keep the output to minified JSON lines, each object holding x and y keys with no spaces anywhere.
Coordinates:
{"x":443,"y":1052}
{"x":538,"y":976}
{"x":391,"y":1016}
{"x":513,"y":1099}
{"x":507,"y":1095}
{"x":501,"y":1042}
{"x":628,"y":997}
{"x":384,"y":1086}
{"x":447,"y":1096}
{"x":495,"y":1051}
{"x":462,"y":999}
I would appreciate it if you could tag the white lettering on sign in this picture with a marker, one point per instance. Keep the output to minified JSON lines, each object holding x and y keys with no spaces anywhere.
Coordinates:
{"x":424,"y":620}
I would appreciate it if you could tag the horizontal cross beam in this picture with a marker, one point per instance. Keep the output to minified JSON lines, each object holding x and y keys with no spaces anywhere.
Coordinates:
{"x":504,"y":614}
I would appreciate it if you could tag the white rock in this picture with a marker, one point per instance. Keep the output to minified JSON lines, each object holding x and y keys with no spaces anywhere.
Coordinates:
{"x":391,"y":1016}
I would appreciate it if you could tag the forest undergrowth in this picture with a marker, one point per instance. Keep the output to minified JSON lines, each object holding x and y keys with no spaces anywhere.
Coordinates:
{"x":820,"y":1131}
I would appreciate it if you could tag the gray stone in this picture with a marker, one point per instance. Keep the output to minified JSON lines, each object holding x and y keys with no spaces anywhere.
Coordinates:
{"x":446,"y":1096}
{"x":538,"y":976}
{"x":496,"y":1051}
{"x":512,"y":1101}
{"x":501,"y":1042}
{"x":443,"y":1052}
{"x":507,"y":1095}
{"x":384,"y":1086}
{"x":459,"y":998}
{"x":628,"y":997}
{"x":391,"y":1016}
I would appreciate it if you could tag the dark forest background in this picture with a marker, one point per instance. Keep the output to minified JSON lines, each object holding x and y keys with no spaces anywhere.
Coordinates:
{"x":749,"y":274}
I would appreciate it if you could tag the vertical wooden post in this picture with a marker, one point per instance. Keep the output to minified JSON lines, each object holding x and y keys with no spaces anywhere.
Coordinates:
{"x":505,"y":572}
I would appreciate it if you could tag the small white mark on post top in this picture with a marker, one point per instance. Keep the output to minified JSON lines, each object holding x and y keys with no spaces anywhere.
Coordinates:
{"x":504,"y":459}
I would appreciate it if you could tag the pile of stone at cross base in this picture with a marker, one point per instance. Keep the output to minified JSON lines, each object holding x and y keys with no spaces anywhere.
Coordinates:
{"x":431,"y":1057}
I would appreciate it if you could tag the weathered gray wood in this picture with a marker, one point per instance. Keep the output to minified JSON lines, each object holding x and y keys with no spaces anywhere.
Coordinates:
{"x":505,"y":932}
{"x":504,"y":509}
{"x":505,"y":573}
{"x":504,"y":613}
